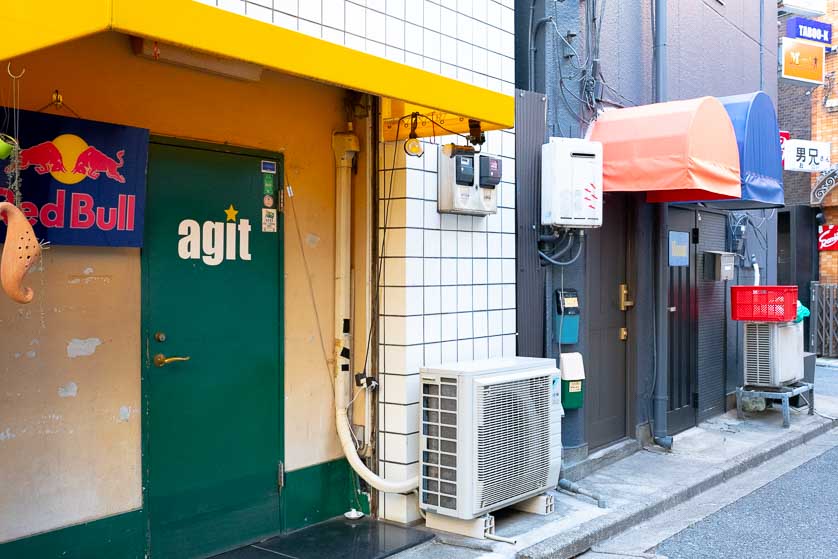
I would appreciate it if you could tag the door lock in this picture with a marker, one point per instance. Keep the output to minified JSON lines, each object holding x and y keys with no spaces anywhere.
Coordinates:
{"x":160,"y":336}
{"x":161,"y":360}
{"x":624,"y":334}
{"x":625,"y":302}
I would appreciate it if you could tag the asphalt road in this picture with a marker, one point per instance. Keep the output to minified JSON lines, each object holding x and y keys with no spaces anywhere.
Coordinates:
{"x":796,"y":515}
{"x":826,"y":382}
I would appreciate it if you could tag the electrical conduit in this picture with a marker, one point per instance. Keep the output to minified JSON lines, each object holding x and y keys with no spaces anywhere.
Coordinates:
{"x":346,"y":147}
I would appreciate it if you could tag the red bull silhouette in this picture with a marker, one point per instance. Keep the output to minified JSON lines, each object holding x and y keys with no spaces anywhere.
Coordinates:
{"x":43,"y":158}
{"x":92,"y":162}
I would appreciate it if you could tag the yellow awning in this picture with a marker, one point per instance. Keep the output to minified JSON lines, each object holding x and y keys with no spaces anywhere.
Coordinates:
{"x":31,"y":25}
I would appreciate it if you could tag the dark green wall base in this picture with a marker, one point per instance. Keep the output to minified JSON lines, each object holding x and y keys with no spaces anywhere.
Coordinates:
{"x":115,"y":537}
{"x":319,"y":492}
{"x":311,"y":495}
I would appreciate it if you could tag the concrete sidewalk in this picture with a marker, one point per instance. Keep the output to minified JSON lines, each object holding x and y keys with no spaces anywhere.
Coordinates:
{"x":640,"y":486}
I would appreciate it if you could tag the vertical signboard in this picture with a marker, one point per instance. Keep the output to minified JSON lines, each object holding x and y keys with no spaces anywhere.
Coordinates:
{"x":784,"y":135}
{"x":828,"y":237}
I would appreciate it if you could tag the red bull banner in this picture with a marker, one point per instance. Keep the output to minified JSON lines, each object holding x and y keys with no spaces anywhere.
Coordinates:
{"x":82,"y":182}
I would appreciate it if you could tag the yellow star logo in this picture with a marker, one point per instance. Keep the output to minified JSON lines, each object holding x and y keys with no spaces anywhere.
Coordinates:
{"x":231,"y":213}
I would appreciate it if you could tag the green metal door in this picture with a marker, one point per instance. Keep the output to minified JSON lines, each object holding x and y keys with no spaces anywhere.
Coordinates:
{"x":211,"y":293}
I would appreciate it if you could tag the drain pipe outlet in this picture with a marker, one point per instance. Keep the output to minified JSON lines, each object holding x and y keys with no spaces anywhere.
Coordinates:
{"x":346,"y":146}
{"x":568,"y":485}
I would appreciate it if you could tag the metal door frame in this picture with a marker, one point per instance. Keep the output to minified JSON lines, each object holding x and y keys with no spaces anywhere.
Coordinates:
{"x":674,"y":427}
{"x":145,"y":310}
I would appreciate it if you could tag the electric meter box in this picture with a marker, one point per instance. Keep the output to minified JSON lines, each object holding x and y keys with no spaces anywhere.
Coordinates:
{"x":566,"y":317}
{"x":467,"y":181}
{"x":571,"y":183}
{"x":572,"y":369}
{"x":719,"y":266}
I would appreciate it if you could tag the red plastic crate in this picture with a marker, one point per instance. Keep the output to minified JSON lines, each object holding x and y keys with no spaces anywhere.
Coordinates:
{"x":763,"y":303}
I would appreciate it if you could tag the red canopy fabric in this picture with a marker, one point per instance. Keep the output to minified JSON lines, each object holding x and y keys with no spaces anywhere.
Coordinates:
{"x":680,"y":151}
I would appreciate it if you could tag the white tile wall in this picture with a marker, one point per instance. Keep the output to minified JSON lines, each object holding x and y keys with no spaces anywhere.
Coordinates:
{"x":448,"y":292}
{"x":448,"y":283}
{"x":468,"y":40}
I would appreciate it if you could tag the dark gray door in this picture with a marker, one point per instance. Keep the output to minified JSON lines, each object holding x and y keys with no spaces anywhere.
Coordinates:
{"x":605,"y":394}
{"x":682,"y":317}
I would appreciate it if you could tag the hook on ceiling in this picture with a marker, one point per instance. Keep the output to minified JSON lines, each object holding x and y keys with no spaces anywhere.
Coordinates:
{"x":12,"y":74}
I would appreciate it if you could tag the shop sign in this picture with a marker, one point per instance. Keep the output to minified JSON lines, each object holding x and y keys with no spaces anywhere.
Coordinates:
{"x":828,"y":237}
{"x":679,"y":248}
{"x":809,"y":29}
{"x":81,"y":182}
{"x":802,"y":61}
{"x":214,"y":242}
{"x":805,"y":155}
{"x":784,"y":135}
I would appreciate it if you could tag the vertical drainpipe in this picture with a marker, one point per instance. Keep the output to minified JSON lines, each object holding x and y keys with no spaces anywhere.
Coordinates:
{"x":762,"y":45}
{"x":661,"y":393}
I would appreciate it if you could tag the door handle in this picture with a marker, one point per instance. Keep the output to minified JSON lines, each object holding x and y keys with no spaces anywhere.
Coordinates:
{"x":625,"y":302}
{"x":161,"y":360}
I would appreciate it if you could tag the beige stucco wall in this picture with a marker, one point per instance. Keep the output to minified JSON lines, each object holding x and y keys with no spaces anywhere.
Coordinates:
{"x":70,"y":392}
{"x":279,"y":113}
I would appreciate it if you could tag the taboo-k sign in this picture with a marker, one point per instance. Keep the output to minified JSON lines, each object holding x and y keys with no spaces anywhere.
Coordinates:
{"x":81,"y":182}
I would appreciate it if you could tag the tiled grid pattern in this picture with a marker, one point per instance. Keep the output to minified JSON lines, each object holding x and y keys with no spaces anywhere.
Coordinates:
{"x":468,"y":40}
{"x":448,"y":286}
{"x":447,"y":294}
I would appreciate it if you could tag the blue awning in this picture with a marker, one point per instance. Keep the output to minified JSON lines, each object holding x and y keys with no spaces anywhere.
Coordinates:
{"x":760,"y":157}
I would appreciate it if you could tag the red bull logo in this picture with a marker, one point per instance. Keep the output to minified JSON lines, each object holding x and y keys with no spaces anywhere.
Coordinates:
{"x":70,"y":160}
{"x":83,"y":182}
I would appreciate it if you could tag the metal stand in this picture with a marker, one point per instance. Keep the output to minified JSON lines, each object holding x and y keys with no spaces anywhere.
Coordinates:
{"x":774,"y":394}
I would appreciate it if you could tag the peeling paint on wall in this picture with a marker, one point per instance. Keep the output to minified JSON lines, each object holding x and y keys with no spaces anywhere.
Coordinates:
{"x":124,"y":413}
{"x":87,"y":271}
{"x":82,"y":348}
{"x":7,"y":434}
{"x":312,"y":240}
{"x":69,"y":390}
{"x":31,"y":354}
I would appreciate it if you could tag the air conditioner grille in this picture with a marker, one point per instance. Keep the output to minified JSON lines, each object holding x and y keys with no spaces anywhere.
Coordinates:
{"x":758,"y":354}
{"x":439,"y":461}
{"x":513,"y":439}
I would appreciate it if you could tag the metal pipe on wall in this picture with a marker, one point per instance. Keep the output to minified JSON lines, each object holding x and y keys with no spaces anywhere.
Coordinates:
{"x":661,"y":390}
{"x":762,"y":45}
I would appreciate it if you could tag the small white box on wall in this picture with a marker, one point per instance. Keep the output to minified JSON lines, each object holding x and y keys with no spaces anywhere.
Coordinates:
{"x":571,"y":183}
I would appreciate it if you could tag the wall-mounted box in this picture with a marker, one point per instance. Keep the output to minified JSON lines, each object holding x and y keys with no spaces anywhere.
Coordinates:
{"x":719,"y":266}
{"x":566,"y":316}
{"x":467,"y":181}
{"x":571,"y":183}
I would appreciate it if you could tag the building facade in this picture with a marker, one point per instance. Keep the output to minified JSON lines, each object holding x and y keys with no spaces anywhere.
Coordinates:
{"x":586,"y":59}
{"x":113,"y":443}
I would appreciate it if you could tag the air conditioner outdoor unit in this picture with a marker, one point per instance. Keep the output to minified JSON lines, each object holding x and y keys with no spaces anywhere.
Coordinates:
{"x":491,"y":434}
{"x":773,"y":353}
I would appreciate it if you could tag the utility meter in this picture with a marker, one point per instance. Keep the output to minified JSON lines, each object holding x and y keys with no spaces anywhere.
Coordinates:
{"x":467,"y":181}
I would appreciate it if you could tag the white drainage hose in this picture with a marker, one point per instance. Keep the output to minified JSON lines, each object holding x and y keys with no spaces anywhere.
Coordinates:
{"x":346,"y":146}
